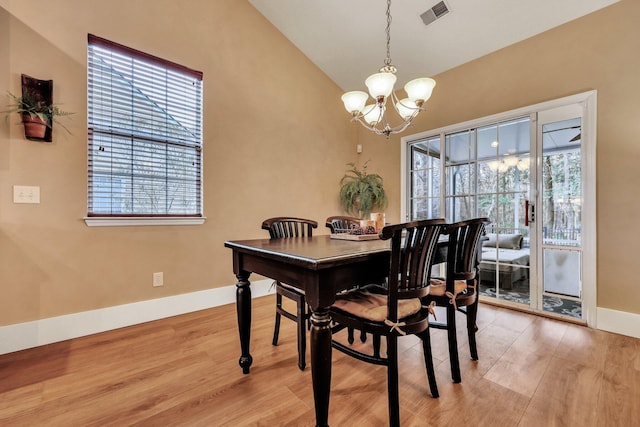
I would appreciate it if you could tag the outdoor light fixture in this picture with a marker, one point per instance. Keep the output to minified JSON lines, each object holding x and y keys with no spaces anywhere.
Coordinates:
{"x":380,"y":85}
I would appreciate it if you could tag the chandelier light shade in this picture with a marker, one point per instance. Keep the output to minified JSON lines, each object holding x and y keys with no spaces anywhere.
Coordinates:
{"x":510,"y":161}
{"x":373,"y":114}
{"x":507,"y":161}
{"x":380,"y":86}
{"x":420,"y":89}
{"x":355,"y":100}
{"x":406,"y":108}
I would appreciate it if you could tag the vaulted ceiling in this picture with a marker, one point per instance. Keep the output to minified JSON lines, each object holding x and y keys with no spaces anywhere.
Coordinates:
{"x":347,"y":40}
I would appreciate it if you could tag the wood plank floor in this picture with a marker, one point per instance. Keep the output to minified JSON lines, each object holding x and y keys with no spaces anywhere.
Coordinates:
{"x":183,"y":371}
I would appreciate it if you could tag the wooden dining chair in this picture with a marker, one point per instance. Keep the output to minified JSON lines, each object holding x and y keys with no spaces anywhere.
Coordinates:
{"x":458,"y":290}
{"x":284,"y":228}
{"x":339,"y":224}
{"x":398,"y":311}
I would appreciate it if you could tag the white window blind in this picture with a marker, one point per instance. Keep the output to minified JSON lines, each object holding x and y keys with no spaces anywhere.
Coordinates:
{"x":145,"y":134}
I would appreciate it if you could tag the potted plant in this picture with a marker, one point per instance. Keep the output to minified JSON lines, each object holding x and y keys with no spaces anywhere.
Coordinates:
{"x":362,"y":193}
{"x":37,"y":115}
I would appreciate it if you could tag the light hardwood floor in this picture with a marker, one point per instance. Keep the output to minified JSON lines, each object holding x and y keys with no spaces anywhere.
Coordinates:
{"x":183,"y":371}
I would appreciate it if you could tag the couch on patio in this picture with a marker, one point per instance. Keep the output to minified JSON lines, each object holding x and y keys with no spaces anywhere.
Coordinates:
{"x":506,"y":252}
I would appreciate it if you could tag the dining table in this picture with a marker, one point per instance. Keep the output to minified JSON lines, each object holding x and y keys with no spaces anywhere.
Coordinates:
{"x":321,"y":266}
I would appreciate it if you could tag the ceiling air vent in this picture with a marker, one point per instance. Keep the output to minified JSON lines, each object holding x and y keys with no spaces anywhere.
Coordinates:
{"x":437,"y":11}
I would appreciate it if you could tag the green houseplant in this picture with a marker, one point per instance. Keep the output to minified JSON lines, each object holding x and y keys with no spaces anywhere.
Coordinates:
{"x":362,"y":193}
{"x":36,"y":114}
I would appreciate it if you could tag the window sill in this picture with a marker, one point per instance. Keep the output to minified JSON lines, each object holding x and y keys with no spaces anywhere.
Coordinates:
{"x":140,"y":221}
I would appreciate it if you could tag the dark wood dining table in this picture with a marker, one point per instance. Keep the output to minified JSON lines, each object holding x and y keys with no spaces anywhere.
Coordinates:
{"x":319,"y":265}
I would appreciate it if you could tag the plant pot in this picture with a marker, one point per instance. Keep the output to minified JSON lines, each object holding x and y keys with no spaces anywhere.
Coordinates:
{"x":34,"y":127}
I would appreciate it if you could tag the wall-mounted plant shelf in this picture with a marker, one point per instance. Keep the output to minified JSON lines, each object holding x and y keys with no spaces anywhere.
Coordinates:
{"x":40,"y":91}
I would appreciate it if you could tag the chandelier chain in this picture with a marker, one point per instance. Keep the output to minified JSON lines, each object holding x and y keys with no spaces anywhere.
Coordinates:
{"x":387,"y":60}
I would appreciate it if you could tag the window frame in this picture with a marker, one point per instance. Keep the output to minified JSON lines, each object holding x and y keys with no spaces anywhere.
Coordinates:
{"x":196,"y":217}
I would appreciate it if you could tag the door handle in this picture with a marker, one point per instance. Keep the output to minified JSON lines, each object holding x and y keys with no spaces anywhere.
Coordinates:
{"x":529,"y":213}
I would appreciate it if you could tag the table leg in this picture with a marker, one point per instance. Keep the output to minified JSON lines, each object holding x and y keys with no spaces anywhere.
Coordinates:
{"x":243,"y":307}
{"x":321,"y":363}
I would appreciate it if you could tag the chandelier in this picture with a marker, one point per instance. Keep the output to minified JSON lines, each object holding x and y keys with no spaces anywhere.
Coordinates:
{"x":380,"y":85}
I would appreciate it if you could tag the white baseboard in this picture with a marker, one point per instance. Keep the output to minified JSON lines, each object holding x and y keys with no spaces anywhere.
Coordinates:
{"x":619,"y":322}
{"x":21,"y":336}
{"x":46,"y":331}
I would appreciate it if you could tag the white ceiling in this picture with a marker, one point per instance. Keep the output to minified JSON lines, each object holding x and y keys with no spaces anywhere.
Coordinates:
{"x":347,"y":40}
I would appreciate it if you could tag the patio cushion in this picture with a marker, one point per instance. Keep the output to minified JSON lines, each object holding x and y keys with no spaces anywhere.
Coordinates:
{"x":507,"y":241}
{"x":439,"y":287}
{"x":374,"y":306}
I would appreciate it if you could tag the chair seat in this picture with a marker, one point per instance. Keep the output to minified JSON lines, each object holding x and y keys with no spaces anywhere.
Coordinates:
{"x":438,"y":287}
{"x":374,"y":306}
{"x":289,"y":288}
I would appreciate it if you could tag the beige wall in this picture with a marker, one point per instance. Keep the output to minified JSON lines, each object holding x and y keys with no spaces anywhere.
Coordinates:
{"x":599,"y":51}
{"x":276,"y":142}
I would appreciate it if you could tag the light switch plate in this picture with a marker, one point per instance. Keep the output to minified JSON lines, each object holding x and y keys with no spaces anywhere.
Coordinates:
{"x":26,"y":194}
{"x":158,"y":279}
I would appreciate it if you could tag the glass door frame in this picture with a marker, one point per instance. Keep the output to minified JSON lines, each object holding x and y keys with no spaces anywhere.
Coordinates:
{"x":588,"y":103}
{"x":543,"y":118}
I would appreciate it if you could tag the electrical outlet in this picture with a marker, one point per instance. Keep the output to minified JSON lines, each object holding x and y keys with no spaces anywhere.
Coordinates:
{"x":26,"y":194}
{"x":158,"y":279}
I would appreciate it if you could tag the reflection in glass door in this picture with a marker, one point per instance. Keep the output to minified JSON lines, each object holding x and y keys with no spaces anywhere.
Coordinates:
{"x":503,"y":187}
{"x":425,"y":179}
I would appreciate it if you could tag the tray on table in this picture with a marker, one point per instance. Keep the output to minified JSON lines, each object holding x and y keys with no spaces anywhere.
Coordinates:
{"x":357,"y":237}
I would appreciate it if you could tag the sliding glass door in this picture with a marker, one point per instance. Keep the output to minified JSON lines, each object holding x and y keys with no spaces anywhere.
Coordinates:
{"x":527,"y":174}
{"x":485,"y":171}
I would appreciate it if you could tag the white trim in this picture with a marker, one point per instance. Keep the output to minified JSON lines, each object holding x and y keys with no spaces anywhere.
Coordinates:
{"x":46,"y":331}
{"x":403,"y":180}
{"x":589,"y":211}
{"x":54,"y":329}
{"x":619,"y":322}
{"x":135,"y":221}
{"x":500,"y":117}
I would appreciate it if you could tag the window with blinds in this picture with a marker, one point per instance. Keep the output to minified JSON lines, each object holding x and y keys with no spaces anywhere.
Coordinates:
{"x":145,"y":134}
